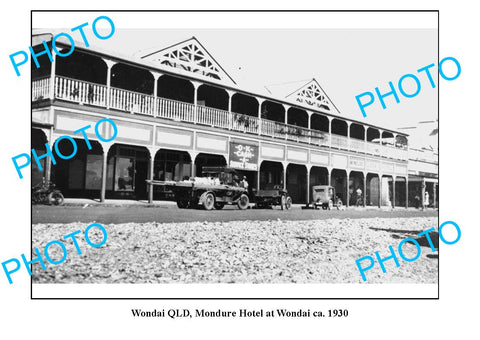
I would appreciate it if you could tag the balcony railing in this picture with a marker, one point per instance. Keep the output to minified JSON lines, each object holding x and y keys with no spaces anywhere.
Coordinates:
{"x":80,"y":91}
{"x":339,"y":142}
{"x":319,"y":138}
{"x":273,"y":129}
{"x":132,"y":102}
{"x":172,"y":109}
{"x":297,"y":134}
{"x":423,"y":155}
{"x":83,"y":92}
{"x":213,"y":117}
{"x":41,"y":89}
{"x":357,"y":145}
{"x":244,"y":123}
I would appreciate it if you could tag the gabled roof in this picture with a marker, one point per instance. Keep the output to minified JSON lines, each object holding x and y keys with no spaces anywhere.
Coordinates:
{"x":312,"y":94}
{"x":190,"y":56}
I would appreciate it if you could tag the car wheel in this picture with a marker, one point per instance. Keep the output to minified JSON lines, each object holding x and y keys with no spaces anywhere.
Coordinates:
{"x":209,"y":201}
{"x":55,"y":198}
{"x":288,"y":203}
{"x":182,"y":204}
{"x":339,"y":204}
{"x":330,"y":204}
{"x":243,"y":202}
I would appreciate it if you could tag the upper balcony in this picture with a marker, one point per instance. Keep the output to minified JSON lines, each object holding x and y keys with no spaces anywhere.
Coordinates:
{"x":423,"y":155}
{"x":91,"y":80}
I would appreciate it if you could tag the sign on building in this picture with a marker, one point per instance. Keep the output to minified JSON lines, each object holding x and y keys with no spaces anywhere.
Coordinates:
{"x":243,"y":156}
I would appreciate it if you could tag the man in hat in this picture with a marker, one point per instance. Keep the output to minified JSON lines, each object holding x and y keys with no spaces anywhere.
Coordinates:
{"x":244,"y":183}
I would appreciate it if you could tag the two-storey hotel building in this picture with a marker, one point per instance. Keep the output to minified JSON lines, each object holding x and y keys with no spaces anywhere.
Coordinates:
{"x":177,"y":110}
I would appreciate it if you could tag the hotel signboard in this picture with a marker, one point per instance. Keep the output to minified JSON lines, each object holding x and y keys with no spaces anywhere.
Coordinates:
{"x":243,"y":156}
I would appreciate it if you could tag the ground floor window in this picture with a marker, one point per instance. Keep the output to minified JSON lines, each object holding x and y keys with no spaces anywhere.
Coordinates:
{"x":76,"y":173}
{"x":271,"y":175}
{"x":93,"y":177}
{"x":37,"y":175}
{"x":124,"y":174}
{"x":38,"y":144}
{"x":204,"y":159}
{"x":80,"y":176}
{"x":127,"y":168}
{"x":172,"y":166}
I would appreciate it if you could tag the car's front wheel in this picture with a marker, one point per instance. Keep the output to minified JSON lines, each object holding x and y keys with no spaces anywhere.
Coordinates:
{"x":288,"y":202}
{"x":55,"y":198}
{"x":209,"y":201}
{"x":243,"y":202}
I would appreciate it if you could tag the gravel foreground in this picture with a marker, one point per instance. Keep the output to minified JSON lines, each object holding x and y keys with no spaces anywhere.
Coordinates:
{"x":319,"y":251}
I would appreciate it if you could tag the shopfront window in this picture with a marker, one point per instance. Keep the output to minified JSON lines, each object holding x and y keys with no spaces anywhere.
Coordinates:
{"x":171,"y":167}
{"x":76,"y":168}
{"x":110,"y":166}
{"x":93,"y":179}
{"x":37,"y":176}
{"x":124,"y":174}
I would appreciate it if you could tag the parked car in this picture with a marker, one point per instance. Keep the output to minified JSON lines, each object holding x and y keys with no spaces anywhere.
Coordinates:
{"x":276,"y":196}
{"x":324,"y":196}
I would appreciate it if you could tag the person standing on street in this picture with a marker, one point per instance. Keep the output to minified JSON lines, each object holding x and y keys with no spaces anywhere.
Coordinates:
{"x":359,"y":196}
{"x":244,"y":183}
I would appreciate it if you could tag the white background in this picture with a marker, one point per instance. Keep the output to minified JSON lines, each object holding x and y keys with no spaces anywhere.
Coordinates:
{"x":454,"y":315}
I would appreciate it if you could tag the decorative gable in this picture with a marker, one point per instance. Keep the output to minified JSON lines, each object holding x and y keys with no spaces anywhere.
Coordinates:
{"x":190,"y":56}
{"x":312,"y":94}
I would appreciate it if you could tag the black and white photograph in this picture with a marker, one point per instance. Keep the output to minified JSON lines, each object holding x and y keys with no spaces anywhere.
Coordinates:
{"x":230,"y":162}
{"x":248,"y":165}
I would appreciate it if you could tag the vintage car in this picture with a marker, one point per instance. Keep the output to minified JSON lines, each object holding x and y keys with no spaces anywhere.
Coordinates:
{"x":274,"y":197}
{"x":324,"y":196}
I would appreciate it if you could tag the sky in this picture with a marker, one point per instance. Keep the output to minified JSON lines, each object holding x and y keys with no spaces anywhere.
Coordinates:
{"x":345,"y":61}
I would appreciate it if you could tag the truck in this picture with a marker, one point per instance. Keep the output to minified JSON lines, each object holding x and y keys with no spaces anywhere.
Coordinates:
{"x":217,"y":187}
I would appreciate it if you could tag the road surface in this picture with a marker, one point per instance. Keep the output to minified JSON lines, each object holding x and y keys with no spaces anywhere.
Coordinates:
{"x":170,"y":213}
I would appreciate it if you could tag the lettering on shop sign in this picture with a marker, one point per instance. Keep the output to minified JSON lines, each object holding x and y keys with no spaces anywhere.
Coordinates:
{"x":357,"y":162}
{"x":49,"y":152}
{"x":408,"y":78}
{"x":393,"y":256}
{"x":23,"y":56}
{"x":243,"y":156}
{"x":60,"y":245}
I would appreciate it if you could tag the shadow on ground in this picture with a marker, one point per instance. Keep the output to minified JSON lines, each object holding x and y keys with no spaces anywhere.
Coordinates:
{"x":422,"y":241}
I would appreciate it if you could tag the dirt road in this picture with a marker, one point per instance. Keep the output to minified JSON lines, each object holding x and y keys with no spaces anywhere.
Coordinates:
{"x":170,"y":213}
